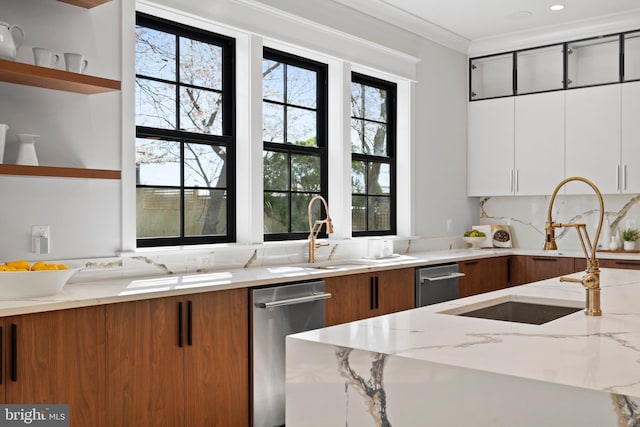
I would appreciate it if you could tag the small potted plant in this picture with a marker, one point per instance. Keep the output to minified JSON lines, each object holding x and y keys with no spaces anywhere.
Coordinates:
{"x":630,"y":235}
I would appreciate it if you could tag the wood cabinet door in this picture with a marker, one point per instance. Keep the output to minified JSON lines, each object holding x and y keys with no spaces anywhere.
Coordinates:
{"x":145,"y":364}
{"x":615,"y":263}
{"x":351,"y":298}
{"x":483,"y":275}
{"x":540,"y":268}
{"x":396,"y":290}
{"x":360,"y":296}
{"x":217,"y":359}
{"x":59,"y":357}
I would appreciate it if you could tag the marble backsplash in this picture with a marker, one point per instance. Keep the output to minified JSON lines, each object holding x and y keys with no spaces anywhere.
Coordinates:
{"x":526,"y":217}
{"x":216,"y":258}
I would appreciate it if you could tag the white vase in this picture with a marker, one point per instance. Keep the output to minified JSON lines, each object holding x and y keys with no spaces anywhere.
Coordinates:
{"x":614,"y":245}
{"x":27,"y":149}
{"x":3,"y":136}
{"x":629,"y":246}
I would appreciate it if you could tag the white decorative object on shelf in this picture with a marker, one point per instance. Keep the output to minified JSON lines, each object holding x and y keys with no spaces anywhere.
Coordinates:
{"x":27,"y":150}
{"x":75,"y":62}
{"x":44,"y":57}
{"x":614,"y":245}
{"x":3,"y":137}
{"x":8,"y":44}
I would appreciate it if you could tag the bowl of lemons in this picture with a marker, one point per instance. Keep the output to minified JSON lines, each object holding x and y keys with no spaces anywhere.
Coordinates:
{"x":475,"y":238}
{"x":22,"y":279}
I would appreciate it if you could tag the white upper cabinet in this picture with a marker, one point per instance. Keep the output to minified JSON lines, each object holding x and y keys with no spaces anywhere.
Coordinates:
{"x":592,"y":138}
{"x":490,"y":147}
{"x":539,"y":143}
{"x":630,"y":140}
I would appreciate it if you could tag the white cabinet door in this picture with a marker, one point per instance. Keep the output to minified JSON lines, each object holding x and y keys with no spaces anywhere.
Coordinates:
{"x":490,"y":147}
{"x":630,"y":157}
{"x":539,"y":143}
{"x":593,"y":138}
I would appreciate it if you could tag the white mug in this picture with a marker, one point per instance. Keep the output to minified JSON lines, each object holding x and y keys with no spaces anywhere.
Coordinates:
{"x":75,"y":62}
{"x":45,"y":57}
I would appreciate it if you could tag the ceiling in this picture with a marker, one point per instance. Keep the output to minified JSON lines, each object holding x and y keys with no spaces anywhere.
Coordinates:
{"x":478,"y":19}
{"x":469,"y":21}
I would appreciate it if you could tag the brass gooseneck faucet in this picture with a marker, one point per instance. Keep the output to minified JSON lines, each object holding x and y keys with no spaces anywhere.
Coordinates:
{"x":591,"y":279}
{"x":315,"y":227}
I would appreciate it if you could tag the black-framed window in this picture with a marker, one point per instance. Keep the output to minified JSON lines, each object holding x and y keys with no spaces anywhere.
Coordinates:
{"x":295,"y":142}
{"x":185,"y":127}
{"x":373,"y":165}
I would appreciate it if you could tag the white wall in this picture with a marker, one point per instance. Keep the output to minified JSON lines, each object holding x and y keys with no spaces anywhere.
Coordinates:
{"x":441,"y":144}
{"x":90,"y":218}
{"x":75,"y":130}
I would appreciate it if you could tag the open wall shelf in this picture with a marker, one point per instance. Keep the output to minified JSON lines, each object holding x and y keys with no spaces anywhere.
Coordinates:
{"x":62,"y":172}
{"x":51,"y":78}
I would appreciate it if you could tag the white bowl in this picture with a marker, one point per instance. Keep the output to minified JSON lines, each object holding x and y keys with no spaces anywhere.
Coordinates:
{"x":475,"y":241}
{"x":30,"y":284}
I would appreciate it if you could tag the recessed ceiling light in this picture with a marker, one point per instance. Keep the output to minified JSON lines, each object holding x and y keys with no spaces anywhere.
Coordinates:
{"x":557,"y":7}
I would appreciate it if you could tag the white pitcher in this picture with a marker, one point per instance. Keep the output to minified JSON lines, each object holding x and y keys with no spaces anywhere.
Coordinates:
{"x":11,"y":38}
{"x":3,"y":136}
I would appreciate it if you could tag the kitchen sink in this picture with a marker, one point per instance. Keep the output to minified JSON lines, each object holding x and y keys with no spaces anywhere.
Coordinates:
{"x":535,"y":311}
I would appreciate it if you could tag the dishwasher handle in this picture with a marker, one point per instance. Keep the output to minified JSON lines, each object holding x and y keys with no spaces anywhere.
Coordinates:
{"x":291,"y":301}
{"x":444,"y":277}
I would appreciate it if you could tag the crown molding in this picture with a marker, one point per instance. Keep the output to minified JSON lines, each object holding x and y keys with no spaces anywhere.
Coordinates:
{"x":404,"y":20}
{"x":609,"y":24}
{"x":256,"y":4}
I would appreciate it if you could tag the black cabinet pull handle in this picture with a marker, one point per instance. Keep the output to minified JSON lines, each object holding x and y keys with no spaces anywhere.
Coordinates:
{"x":180,"y":338}
{"x":189,"y":322}
{"x":14,"y":352}
{"x":371,"y":294}
{"x":470,"y":262}
{"x":544,"y":259}
{"x":377,"y":293}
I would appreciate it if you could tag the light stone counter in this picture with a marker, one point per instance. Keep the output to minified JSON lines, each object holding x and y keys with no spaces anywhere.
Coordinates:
{"x":93,"y":287}
{"x":141,"y":277}
{"x":422,"y":367}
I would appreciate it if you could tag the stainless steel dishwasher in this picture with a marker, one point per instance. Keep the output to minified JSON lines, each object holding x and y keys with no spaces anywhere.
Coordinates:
{"x":437,"y":283}
{"x":279,"y":311}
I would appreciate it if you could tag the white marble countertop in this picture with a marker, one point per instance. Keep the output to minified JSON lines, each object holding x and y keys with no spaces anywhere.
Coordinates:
{"x":81,"y":291}
{"x":598,"y":353}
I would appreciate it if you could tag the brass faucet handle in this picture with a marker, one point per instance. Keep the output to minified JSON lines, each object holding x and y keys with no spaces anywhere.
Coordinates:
{"x":589,"y":280}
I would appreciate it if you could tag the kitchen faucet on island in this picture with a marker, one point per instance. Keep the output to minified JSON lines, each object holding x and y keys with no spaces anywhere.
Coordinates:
{"x":314,"y":227}
{"x":591,"y":279}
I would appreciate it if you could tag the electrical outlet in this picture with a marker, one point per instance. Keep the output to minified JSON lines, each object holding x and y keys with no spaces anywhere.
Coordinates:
{"x":40,"y":239}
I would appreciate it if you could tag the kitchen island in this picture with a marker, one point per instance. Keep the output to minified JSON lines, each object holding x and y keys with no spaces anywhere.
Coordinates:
{"x":424,"y":367}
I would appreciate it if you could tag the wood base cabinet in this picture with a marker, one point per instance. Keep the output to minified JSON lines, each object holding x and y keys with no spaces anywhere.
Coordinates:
{"x":179,"y":361}
{"x":360,"y":296}
{"x":484,"y":275}
{"x":56,"y":357}
{"x":527,"y":269}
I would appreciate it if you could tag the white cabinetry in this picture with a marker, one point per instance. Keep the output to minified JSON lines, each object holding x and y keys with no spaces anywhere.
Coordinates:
{"x":490,"y":147}
{"x":592,"y":138}
{"x":516,"y":145}
{"x":539,"y":143}
{"x":630,"y":139}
